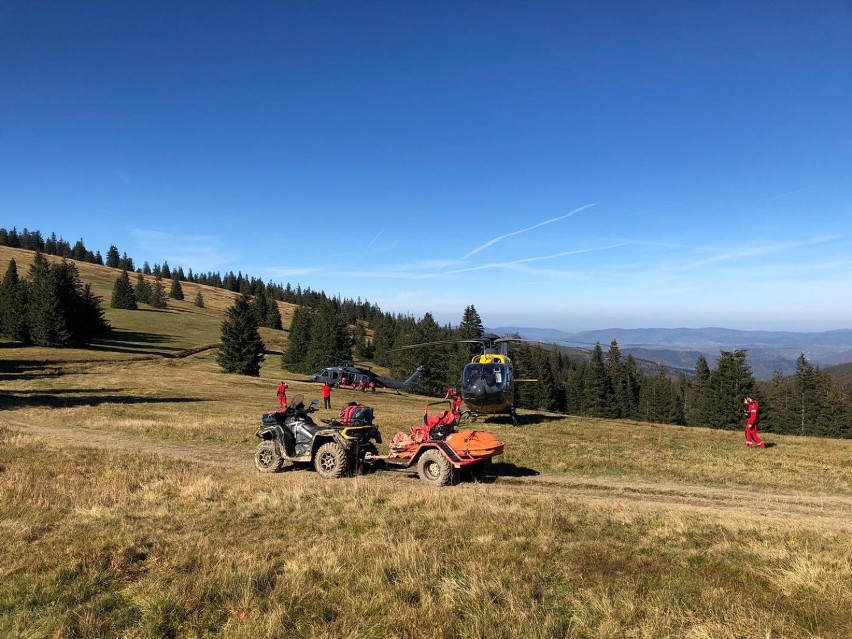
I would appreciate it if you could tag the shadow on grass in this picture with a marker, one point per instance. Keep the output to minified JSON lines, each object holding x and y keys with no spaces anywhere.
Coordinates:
{"x":75,"y":398}
{"x":119,"y":341}
{"x":506,"y":469}
{"x":524,"y":419}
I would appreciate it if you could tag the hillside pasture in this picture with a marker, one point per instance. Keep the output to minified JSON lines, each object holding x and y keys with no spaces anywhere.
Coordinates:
{"x":130,"y":507}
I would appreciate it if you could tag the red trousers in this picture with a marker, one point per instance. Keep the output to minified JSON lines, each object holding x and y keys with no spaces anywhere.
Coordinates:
{"x":751,"y":437}
{"x":282,"y":401}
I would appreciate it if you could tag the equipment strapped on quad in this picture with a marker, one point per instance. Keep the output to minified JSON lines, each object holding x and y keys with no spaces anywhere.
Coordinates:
{"x":355,"y":414}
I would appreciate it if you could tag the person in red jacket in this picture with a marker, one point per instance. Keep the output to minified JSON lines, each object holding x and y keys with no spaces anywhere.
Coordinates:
{"x":282,"y":395}
{"x":326,"y":395}
{"x":752,"y":421}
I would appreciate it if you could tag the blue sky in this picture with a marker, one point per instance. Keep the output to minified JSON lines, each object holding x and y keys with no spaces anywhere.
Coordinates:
{"x":574,"y":165}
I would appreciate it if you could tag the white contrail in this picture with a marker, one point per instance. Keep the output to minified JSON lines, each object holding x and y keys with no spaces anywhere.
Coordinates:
{"x":524,"y":260}
{"x":534,"y":226}
{"x":375,"y":238}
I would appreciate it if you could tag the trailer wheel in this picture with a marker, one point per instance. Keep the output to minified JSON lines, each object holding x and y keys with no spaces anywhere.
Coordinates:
{"x":267,"y":459}
{"x":434,"y":469}
{"x":331,"y":461}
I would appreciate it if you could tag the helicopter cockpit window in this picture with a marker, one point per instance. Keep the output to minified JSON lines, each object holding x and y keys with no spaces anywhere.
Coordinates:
{"x":472,"y":374}
{"x":495,"y":375}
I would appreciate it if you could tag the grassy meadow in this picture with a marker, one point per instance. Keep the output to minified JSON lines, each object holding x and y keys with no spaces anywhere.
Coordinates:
{"x":130,"y":507}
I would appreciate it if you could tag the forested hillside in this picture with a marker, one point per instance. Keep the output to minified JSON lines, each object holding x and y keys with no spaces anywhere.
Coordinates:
{"x":315,"y":327}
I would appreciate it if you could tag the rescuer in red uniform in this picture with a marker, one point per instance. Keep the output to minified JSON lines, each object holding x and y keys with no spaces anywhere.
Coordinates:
{"x":326,"y":395}
{"x":752,"y":421}
{"x":282,"y":395}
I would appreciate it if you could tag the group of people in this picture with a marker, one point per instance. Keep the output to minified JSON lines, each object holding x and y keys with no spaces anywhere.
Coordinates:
{"x":326,"y":392}
{"x":362,"y":385}
{"x":752,"y":407}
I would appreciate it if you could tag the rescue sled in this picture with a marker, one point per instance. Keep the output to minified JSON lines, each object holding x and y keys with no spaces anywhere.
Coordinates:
{"x":440,"y":452}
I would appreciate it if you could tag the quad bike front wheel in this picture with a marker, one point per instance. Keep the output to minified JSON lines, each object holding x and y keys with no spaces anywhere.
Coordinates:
{"x":267,"y":459}
{"x":435,"y":470}
{"x":331,"y":461}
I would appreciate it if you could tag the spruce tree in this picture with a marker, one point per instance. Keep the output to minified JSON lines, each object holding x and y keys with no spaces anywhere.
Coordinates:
{"x":123,"y":295}
{"x":729,"y":383}
{"x":697,"y":395}
{"x":48,"y":321}
{"x":13,"y":305}
{"x":199,"y":300}
{"x":113,"y":258}
{"x":142,"y":290}
{"x":599,"y":399}
{"x":158,"y":294}
{"x":299,"y":340}
{"x":272,"y":319}
{"x":176,"y":292}
{"x":241,"y":350}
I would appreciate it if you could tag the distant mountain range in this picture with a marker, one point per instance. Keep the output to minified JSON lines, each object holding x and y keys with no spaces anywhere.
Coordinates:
{"x":679,"y":348}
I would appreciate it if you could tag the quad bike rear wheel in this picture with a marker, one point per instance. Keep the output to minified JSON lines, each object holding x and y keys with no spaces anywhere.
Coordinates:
{"x":331,"y":461}
{"x":267,"y":459}
{"x":435,"y":470}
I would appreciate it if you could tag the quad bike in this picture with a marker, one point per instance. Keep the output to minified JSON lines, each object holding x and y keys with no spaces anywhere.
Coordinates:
{"x":439,"y":451}
{"x":336,"y":448}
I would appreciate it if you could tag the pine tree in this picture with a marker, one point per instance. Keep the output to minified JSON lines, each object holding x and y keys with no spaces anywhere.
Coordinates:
{"x":142,"y":290}
{"x":598,"y":400}
{"x":697,"y":394}
{"x":546,"y":388}
{"x":123,"y":295}
{"x":61,"y":312}
{"x":729,"y":383}
{"x":113,"y":258}
{"x":199,"y":300}
{"x":87,"y":320}
{"x":13,"y":305}
{"x":272,"y":319}
{"x":46,"y":316}
{"x":242,"y":349}
{"x":176,"y":292}
{"x":329,"y":337}
{"x":158,"y":294}
{"x":299,"y":340}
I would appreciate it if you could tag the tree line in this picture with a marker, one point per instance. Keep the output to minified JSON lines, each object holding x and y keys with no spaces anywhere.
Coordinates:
{"x":353,"y":310}
{"x":50,"y":306}
{"x":599,"y":385}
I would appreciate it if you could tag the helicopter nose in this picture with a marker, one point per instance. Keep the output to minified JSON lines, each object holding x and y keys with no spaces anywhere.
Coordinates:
{"x":479,"y":389}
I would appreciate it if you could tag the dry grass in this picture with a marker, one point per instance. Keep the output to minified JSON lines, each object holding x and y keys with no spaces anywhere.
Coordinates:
{"x":129,"y":507}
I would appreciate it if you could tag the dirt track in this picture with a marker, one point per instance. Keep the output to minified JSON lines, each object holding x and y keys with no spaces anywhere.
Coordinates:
{"x":826,"y":512}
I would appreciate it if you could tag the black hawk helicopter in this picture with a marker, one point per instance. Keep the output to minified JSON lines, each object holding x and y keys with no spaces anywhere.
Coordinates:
{"x":487,"y":382}
{"x":355,"y":373}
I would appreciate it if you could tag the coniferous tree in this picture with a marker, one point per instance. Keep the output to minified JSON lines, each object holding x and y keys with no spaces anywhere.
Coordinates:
{"x":123,"y":295}
{"x":329,"y":337}
{"x":113,"y":258}
{"x":293,"y":358}
{"x":48,"y":322}
{"x":142,"y":290}
{"x":176,"y":292}
{"x":199,"y":300}
{"x":272,"y":318}
{"x":242,"y":349}
{"x":729,"y":383}
{"x":88,"y":321}
{"x":697,"y":395}
{"x":158,"y":294}
{"x":546,"y":388}
{"x":60,"y":311}
{"x":598,"y":396}
{"x":13,"y":305}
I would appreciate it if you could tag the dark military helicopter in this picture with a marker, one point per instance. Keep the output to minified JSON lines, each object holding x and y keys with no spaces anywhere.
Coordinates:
{"x":355,"y":373}
{"x":487,"y":382}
